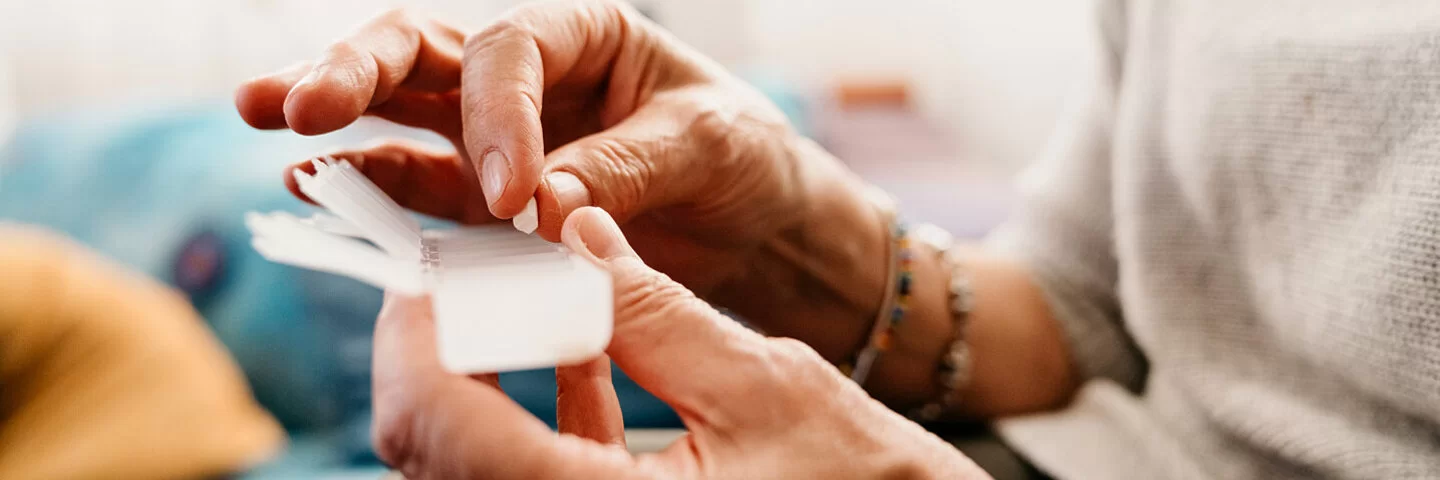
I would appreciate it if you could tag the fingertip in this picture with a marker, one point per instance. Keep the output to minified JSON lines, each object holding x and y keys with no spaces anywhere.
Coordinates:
{"x":294,"y":186}
{"x":570,"y":230}
{"x":586,"y":404}
{"x":524,"y":181}
{"x":508,"y":180}
{"x":333,"y":94}
{"x":322,"y":105}
{"x":261,"y":102}
{"x":508,"y":154}
{"x":592,"y":231}
{"x":307,"y":166}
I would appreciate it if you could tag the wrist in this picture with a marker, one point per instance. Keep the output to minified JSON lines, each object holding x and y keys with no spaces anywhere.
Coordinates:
{"x":820,"y":279}
{"x":904,"y":376}
{"x":841,"y":249}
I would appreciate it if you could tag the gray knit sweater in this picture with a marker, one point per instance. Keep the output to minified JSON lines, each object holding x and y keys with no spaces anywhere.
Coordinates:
{"x":1240,"y":231}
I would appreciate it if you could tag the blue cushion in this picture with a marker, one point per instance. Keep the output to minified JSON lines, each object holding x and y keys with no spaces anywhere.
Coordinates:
{"x":164,"y":190}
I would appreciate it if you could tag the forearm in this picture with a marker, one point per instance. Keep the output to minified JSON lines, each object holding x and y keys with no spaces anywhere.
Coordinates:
{"x":1020,"y":360}
{"x":823,"y":280}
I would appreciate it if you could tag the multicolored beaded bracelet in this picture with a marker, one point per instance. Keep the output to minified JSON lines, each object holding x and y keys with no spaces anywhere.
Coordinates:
{"x":892,"y":309}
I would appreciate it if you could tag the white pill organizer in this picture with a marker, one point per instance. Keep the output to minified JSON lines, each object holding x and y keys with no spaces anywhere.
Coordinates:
{"x":503,"y":300}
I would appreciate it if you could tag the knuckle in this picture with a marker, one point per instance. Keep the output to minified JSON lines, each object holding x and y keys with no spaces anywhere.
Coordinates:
{"x":522,"y":20}
{"x":395,"y":16}
{"x":508,"y":27}
{"x":791,"y":373}
{"x":792,"y":362}
{"x":398,"y":429}
{"x":399,"y":19}
{"x":651,"y":293}
{"x":344,"y":49}
{"x":488,"y":105}
{"x":614,"y":10}
{"x":739,"y":135}
{"x":393,"y":438}
{"x":503,"y":108}
{"x":387,"y":145}
{"x":608,"y":4}
{"x":622,"y":165}
{"x":711,"y":129}
{"x":795,"y":353}
{"x":582,"y":6}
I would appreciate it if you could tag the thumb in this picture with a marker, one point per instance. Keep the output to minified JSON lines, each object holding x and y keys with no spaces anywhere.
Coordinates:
{"x":644,"y":162}
{"x":666,"y":339}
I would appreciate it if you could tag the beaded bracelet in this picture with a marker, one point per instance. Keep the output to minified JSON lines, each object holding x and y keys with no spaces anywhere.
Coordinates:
{"x":953,"y":373}
{"x":892,"y":309}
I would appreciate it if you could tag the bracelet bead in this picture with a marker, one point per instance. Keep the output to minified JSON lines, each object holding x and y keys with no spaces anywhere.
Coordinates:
{"x":953,"y":372}
{"x":893,"y":308}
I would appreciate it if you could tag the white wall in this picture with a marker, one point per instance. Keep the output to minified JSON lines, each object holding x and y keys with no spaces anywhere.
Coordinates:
{"x":992,"y":71}
{"x":7,"y":100}
{"x":71,"y":52}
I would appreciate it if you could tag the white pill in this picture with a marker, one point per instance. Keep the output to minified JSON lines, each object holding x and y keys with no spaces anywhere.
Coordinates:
{"x":528,"y":219}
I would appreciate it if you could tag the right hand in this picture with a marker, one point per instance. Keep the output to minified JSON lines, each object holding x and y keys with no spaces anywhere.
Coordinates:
{"x":753,"y":407}
{"x":590,"y":104}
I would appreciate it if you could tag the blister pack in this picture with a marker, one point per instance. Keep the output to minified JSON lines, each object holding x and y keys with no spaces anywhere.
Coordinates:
{"x":503,"y":300}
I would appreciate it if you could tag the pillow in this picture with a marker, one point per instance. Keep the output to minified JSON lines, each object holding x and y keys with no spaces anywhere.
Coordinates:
{"x":102,"y":361}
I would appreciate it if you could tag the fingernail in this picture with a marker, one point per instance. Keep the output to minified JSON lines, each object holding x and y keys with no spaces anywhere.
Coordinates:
{"x":494,"y":175}
{"x":602,"y":236}
{"x":569,"y":191}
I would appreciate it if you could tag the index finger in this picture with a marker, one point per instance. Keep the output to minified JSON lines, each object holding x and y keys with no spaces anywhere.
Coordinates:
{"x":391,"y":51}
{"x":509,"y":66}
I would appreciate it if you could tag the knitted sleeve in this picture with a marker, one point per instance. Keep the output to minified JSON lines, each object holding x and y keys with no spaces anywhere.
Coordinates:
{"x":1062,"y":229}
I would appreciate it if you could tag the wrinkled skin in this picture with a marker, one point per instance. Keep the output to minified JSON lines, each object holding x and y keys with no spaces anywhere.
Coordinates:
{"x":754,"y":407}
{"x":587,"y":104}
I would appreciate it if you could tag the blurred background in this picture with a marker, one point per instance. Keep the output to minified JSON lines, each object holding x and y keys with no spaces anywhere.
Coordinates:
{"x":116,"y":130}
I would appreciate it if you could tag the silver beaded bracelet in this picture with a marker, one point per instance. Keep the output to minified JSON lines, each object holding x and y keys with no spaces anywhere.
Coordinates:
{"x":954,"y":370}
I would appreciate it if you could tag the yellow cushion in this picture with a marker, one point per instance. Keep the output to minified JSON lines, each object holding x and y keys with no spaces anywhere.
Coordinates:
{"x":105,"y":373}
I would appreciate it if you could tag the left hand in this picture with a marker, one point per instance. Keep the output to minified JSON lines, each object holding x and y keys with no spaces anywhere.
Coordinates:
{"x":588,"y":103}
{"x":755,"y":407}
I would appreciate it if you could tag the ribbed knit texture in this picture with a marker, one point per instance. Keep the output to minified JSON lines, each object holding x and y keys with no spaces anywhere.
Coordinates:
{"x":1240,"y":231}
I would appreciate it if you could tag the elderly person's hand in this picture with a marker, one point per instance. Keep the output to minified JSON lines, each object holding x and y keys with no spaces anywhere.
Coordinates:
{"x":755,"y":407}
{"x":590,"y":104}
